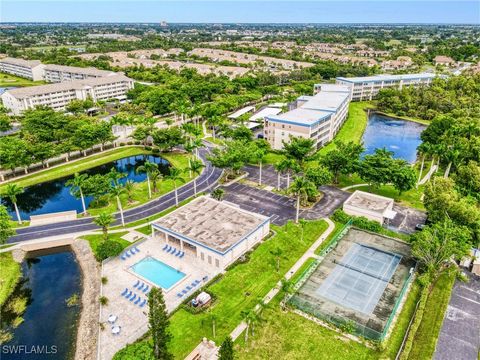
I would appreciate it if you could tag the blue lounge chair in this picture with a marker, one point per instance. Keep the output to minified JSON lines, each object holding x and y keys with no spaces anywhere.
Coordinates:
{"x":136,"y":284}
{"x":178,"y":253}
{"x":172,"y":250}
{"x":133,"y":297}
{"x":179,"y":294}
{"x":184,"y":291}
{"x":127,"y":254}
{"x":183,"y":253}
{"x":123,"y":257}
{"x":189,"y":287}
{"x":129,"y":294}
{"x":143,"y":303}
{"x":146,"y":288}
{"x":169,"y":248}
{"x":141,"y":286}
{"x":124,"y":292}
{"x":138,"y":300}
{"x":132,"y":252}
{"x":165,"y":247}
{"x":193,"y":284}
{"x":137,"y":249}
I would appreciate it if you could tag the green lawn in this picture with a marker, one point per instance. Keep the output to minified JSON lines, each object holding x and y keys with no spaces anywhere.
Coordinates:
{"x":215,"y":141}
{"x":427,"y":334}
{"x":10,"y":274}
{"x":354,"y":126}
{"x":79,"y":165}
{"x":239,"y":290}
{"x":272,"y":158}
{"x":7,"y":80}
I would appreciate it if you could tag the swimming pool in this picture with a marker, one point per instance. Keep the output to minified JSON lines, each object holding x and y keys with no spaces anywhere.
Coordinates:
{"x":157,"y":272}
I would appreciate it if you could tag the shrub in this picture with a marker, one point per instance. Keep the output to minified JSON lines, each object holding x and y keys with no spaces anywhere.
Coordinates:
{"x":104,"y":280}
{"x":340,"y":216}
{"x":122,"y":144}
{"x":137,"y":142}
{"x":130,"y":142}
{"x":148,"y":148}
{"x":103,"y":300}
{"x":359,"y":221}
{"x":156,"y":150}
{"x":107,"y":249}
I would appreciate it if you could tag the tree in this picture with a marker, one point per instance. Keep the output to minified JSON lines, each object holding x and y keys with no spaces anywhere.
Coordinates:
{"x":158,"y":324}
{"x":175,"y":176}
{"x":438,"y":244}
{"x":12,"y":191}
{"x":298,"y":148}
{"x":403,"y":177}
{"x":318,"y":175}
{"x":467,"y":179}
{"x":343,"y":159}
{"x":218,"y":194}
{"x":104,"y":220}
{"x":226,"y":350}
{"x":378,"y":167}
{"x":6,"y":229}
{"x":114,"y":175}
{"x":147,"y":168}
{"x":116,"y":192}
{"x":290,"y":167}
{"x":129,"y":188}
{"x":167,"y":139}
{"x":258,"y":155}
{"x":195,"y":168}
{"x":277,"y":253}
{"x":76,"y":188}
{"x":301,"y":188}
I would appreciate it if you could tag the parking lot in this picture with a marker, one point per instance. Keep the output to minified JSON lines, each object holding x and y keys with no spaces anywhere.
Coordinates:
{"x":459,"y":337}
{"x":282,"y":208}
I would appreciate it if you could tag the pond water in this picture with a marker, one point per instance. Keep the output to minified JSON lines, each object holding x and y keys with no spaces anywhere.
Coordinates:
{"x":54,"y":196}
{"x":49,"y":279}
{"x":400,"y":136}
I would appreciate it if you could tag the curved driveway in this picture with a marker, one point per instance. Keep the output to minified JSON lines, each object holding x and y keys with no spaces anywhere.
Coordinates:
{"x":205,"y":181}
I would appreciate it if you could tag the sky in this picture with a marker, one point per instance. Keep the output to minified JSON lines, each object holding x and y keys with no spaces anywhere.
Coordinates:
{"x":242,"y":11}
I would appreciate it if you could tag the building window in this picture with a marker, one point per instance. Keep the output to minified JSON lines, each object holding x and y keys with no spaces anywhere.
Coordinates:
{"x":202,"y":256}
{"x":217,"y":263}
{"x":209,"y":259}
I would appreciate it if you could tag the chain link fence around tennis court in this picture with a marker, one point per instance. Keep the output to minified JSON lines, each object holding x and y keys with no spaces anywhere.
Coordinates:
{"x":344,"y":323}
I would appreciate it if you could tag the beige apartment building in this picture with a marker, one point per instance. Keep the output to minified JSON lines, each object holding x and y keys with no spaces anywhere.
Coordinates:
{"x":59,"y":95}
{"x":366,"y":88}
{"x":60,"y":73}
{"x":28,"y":69}
{"x":317,"y":117}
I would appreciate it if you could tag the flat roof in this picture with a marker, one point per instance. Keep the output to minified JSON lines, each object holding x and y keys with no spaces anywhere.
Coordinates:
{"x":367,"y":201}
{"x":326,"y":101}
{"x":265,"y":112}
{"x":387,"y":77}
{"x":78,"y":70}
{"x":216,"y":225}
{"x":301,"y":116}
{"x":21,"y":62}
{"x":241,"y":111}
{"x":20,"y":93}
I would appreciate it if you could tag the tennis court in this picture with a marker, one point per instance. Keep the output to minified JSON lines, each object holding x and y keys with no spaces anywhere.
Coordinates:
{"x":361,"y":281}
{"x":360,"y":278}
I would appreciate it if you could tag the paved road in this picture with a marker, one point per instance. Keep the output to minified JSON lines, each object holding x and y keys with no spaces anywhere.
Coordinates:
{"x":460,"y":334}
{"x":205,"y":181}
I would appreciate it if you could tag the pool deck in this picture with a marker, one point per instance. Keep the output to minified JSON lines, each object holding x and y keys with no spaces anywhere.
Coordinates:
{"x":132,"y":318}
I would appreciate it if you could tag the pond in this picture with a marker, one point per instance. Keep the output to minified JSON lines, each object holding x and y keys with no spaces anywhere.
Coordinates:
{"x":400,"y":136}
{"x":54,"y":196}
{"x":49,"y":280}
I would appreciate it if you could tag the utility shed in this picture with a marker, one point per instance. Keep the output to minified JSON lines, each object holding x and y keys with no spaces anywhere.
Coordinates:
{"x":373,"y":207}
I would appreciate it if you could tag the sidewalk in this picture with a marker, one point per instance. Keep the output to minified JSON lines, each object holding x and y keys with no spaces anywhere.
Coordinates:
{"x":271,"y":294}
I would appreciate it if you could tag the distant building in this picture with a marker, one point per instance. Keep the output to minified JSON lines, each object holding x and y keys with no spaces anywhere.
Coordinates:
{"x":29,"y":69}
{"x":317,"y":117}
{"x":443,"y":60}
{"x":366,"y":88}
{"x":60,"y":73}
{"x":402,"y":63}
{"x":59,"y":95}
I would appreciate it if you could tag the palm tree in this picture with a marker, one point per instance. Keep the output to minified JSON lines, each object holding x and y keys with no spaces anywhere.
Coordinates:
{"x":176,"y":175}
{"x":300,"y":188}
{"x":11,"y":191}
{"x":195,"y":168}
{"x":104,"y":220}
{"x":290,"y":167}
{"x":148,"y":168}
{"x":129,"y":187}
{"x":115,"y":176}
{"x":423,"y":149}
{"x":218,"y":194}
{"x":280,"y":167}
{"x":155,"y":177}
{"x":197,"y":143}
{"x":116,"y":192}
{"x":76,"y":184}
{"x":277,"y":252}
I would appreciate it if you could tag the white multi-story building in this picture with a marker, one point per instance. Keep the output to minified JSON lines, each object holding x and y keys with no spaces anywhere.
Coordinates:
{"x":58,"y":96}
{"x":29,"y":69}
{"x":317,"y":117}
{"x":366,"y":88}
{"x":60,"y":73}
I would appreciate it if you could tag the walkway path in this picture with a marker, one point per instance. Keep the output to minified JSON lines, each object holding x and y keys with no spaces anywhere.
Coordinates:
{"x":271,"y":294}
{"x":205,"y":181}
